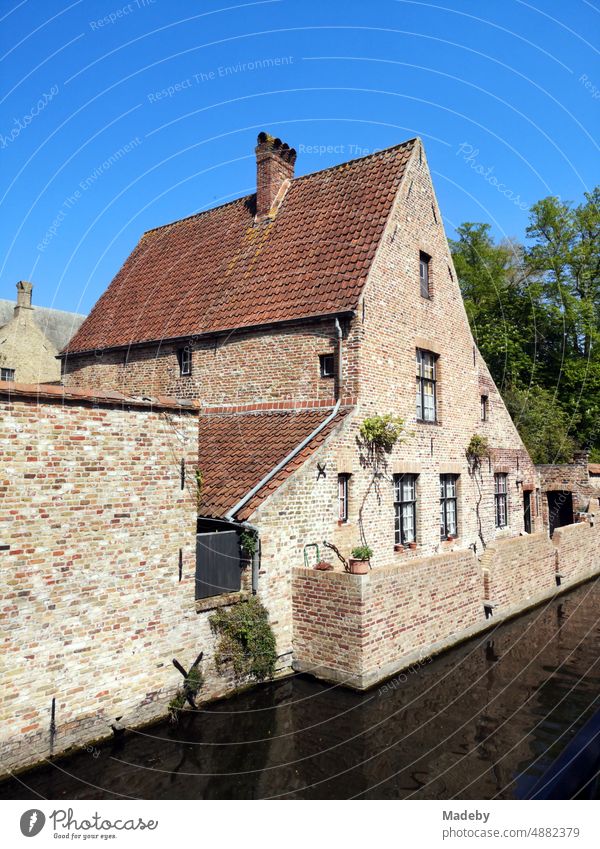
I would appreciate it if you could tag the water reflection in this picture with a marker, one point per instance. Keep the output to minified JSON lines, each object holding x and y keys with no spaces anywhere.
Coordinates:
{"x":477,"y":722}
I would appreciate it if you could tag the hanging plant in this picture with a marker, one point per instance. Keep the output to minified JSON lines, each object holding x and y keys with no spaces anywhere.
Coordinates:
{"x":249,"y":542}
{"x":381,"y":433}
{"x":477,"y":449}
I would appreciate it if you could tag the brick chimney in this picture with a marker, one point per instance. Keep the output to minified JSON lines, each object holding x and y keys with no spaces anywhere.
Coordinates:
{"x":24,"y":290}
{"x":274,"y":172}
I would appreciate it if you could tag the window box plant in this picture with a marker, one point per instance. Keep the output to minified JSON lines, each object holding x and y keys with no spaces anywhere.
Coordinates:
{"x":359,"y":561}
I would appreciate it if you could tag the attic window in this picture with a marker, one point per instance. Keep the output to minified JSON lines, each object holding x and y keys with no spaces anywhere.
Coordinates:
{"x":184,"y":356}
{"x":7,"y":374}
{"x":327,"y":365}
{"x":424,"y":276}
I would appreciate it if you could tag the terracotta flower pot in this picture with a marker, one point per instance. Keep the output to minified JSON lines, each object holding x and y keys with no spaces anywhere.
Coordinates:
{"x":358,"y":567}
{"x":412,"y":546}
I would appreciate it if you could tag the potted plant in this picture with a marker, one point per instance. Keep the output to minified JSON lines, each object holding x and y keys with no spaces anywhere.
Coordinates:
{"x":359,"y":560}
{"x":412,"y":545}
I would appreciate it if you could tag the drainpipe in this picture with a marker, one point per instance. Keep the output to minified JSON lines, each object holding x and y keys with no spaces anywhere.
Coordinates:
{"x":229,"y":516}
{"x":293,"y":453}
{"x":338,"y":331}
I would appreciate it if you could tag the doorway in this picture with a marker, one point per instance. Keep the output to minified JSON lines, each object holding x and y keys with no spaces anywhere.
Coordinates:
{"x":560,"y":509}
{"x":527,"y":510}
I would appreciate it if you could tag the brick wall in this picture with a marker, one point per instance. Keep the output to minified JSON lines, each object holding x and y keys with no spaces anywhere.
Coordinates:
{"x":578,"y":548}
{"x":92,"y":519}
{"x":568,"y":477}
{"x":519,"y":570}
{"x":271,"y":365}
{"x":359,"y":629}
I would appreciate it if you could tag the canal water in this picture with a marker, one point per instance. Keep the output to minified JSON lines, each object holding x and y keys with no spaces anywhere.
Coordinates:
{"x":482,"y":721}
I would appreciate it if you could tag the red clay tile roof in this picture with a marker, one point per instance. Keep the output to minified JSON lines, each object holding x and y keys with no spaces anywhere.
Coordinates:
{"x":53,"y":392}
{"x":218,"y":270}
{"x":594,"y":468}
{"x":236,"y":450}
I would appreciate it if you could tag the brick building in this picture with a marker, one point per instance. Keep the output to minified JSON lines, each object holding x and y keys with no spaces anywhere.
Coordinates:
{"x":334,"y":288}
{"x":283,"y":320}
{"x":31,"y":337}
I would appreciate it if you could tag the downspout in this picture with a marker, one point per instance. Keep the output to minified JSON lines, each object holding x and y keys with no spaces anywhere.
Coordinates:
{"x":338,"y":331}
{"x":295,"y":451}
{"x":229,"y":516}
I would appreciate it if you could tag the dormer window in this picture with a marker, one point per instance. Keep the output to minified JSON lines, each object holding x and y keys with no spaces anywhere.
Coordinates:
{"x":184,"y":357}
{"x":327,"y":365}
{"x":424,"y":276}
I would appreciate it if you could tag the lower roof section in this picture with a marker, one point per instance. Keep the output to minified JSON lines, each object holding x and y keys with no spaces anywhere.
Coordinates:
{"x":239,"y":446}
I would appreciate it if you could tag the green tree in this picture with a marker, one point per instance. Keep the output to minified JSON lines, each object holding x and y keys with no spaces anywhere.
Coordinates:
{"x":542,"y":424}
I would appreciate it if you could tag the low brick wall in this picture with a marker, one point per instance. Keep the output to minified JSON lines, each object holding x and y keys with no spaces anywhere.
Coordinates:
{"x":578,"y":548}
{"x":359,"y":629}
{"x":518,"y":570}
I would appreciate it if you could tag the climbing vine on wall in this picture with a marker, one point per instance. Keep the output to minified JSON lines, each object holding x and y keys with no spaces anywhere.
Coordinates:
{"x":246,"y":643}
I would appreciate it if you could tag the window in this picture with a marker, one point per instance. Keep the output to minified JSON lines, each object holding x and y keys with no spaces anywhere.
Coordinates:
{"x":7,"y":374}
{"x":484,"y":408}
{"x":405,"y":509}
{"x":343,"y":497}
{"x":501,"y":500}
{"x":184,"y":355}
{"x":424,"y":274}
{"x":327,"y":365}
{"x":448,"y":506}
{"x":426,"y":403}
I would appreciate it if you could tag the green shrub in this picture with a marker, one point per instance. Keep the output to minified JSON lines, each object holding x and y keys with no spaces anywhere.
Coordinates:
{"x":246,"y":642}
{"x":477,"y":449}
{"x":381,"y":432}
{"x":362,"y":552}
{"x":249,"y":542}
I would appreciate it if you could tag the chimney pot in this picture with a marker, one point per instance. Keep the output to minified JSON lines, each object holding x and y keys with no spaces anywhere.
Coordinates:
{"x":275,"y":162}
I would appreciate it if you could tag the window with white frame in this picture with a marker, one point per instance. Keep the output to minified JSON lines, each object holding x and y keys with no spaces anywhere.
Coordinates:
{"x":7,"y":374}
{"x":426,"y":386}
{"x":184,"y":356}
{"x":327,"y":365}
{"x":405,"y":509}
{"x":448,"y":506}
{"x":501,"y":499}
{"x":343,"y":480}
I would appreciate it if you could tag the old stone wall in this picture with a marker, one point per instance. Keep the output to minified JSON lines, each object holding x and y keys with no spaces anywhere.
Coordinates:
{"x":568,"y":477}
{"x":97,"y":566}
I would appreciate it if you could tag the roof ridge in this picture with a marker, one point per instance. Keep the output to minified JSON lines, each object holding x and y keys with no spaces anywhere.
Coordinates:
{"x":346,"y":162}
{"x":35,"y":307}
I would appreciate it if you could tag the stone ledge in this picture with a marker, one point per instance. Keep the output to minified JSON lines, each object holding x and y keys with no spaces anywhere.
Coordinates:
{"x":225,"y":600}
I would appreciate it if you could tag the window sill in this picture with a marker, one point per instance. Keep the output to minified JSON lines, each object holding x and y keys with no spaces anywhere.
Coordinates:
{"x":429,"y":423}
{"x":214,"y":601}
{"x":399,"y":548}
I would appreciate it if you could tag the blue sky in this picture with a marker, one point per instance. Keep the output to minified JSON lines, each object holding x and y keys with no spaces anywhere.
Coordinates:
{"x":118,"y":117}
